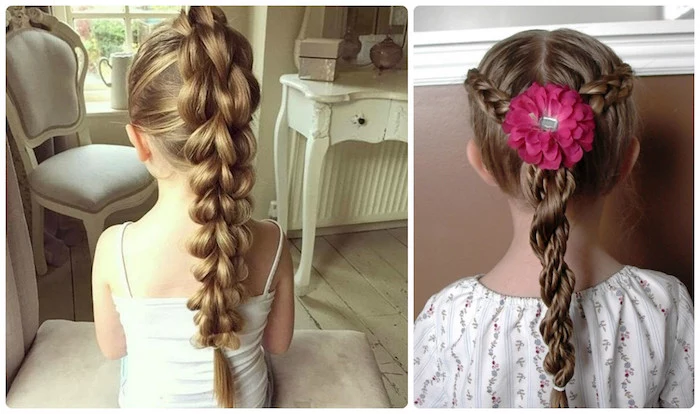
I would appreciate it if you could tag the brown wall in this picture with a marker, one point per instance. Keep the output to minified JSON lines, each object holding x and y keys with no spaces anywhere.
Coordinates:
{"x":462,"y":226}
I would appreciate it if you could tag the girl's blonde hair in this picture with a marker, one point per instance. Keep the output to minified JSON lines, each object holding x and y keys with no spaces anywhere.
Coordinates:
{"x":568,"y":58}
{"x":192,"y":89}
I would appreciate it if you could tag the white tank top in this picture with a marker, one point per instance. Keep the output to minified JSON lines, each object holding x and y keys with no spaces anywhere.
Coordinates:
{"x":163,"y":368}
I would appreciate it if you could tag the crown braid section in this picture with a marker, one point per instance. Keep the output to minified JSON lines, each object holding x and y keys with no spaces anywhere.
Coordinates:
{"x":492,"y":100}
{"x":609,"y":89}
{"x":550,"y":191}
{"x":216,"y":103}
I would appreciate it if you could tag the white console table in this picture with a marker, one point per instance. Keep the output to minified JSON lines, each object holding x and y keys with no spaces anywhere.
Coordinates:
{"x":358,"y":106}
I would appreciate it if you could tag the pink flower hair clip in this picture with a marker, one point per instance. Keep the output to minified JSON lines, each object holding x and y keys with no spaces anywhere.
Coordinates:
{"x":549,"y":126}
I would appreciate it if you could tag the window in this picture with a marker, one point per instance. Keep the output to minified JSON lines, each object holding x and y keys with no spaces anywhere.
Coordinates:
{"x":104,"y":30}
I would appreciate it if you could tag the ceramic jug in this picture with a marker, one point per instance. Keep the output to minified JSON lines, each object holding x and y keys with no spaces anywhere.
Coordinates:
{"x":119,"y":62}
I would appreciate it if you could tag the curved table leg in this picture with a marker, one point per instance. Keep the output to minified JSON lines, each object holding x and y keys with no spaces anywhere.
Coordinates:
{"x":315,"y":153}
{"x":281,"y":157}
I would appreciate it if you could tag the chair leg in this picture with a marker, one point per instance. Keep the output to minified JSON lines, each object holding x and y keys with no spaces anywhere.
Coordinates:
{"x":38,"y":237}
{"x":93,"y":227}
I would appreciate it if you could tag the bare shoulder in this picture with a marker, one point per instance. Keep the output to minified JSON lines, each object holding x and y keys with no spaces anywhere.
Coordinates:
{"x":106,"y":254}
{"x":266,"y":242}
{"x":266,"y":235}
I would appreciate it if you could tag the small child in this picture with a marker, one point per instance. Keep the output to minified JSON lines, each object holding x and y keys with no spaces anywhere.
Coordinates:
{"x":194,"y":294}
{"x":557,"y":322}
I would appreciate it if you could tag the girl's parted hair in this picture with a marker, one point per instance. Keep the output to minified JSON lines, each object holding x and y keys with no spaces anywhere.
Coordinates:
{"x":191,"y":88}
{"x":568,"y":58}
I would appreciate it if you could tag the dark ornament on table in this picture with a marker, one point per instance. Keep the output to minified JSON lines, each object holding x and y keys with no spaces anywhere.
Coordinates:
{"x":350,"y":46}
{"x":385,"y":54}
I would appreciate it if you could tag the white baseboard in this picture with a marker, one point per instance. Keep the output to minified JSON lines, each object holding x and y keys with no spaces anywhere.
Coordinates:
{"x":352,"y":228}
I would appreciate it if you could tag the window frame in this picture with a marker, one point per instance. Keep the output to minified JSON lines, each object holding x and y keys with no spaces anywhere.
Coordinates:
{"x":68,"y":16}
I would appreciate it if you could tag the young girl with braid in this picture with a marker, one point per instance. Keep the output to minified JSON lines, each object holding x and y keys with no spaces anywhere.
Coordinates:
{"x":194,"y":294}
{"x":557,"y":322}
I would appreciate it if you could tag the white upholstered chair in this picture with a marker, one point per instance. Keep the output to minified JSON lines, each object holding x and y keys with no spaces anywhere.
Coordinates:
{"x":45,"y":77}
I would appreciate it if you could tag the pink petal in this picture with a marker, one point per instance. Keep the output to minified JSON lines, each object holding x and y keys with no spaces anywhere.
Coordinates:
{"x":572,"y":155}
{"x":530,"y":159}
{"x":565,"y":111}
{"x":523,"y":118}
{"x":567,"y":124}
{"x":516,"y":140}
{"x":551,"y":150}
{"x":532,"y":148}
{"x":554,"y":109}
{"x":553,"y":164}
{"x":564,"y":140}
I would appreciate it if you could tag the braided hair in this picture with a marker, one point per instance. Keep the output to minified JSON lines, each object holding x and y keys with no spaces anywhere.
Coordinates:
{"x":191,"y":88}
{"x":569,"y":58}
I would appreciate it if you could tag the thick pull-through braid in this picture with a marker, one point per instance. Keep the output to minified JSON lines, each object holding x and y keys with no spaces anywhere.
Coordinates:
{"x":609,"y":89}
{"x":216,"y":103}
{"x":550,"y":191}
{"x":492,"y":100}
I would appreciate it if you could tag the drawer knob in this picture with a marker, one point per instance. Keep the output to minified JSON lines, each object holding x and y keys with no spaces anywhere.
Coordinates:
{"x":359,"y":120}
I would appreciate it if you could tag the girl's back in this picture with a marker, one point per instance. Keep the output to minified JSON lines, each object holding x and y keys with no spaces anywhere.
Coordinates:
{"x":151,"y":282}
{"x":159,"y":264}
{"x":475,"y":347}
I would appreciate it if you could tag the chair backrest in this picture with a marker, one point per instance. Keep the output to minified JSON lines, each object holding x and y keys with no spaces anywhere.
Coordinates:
{"x":22,"y":300}
{"x":46,"y":71}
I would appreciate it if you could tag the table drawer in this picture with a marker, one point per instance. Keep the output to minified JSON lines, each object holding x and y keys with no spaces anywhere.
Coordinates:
{"x":397,"y":123}
{"x":362,"y":120}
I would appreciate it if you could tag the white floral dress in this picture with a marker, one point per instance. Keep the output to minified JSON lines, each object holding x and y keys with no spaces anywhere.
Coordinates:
{"x":633,"y":336}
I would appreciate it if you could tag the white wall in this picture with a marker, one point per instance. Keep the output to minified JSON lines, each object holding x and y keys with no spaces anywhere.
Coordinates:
{"x":275,"y":29}
{"x":431,"y":18}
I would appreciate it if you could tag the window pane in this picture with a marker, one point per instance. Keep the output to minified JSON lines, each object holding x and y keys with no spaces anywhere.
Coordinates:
{"x":154,"y":9}
{"x":101,"y":38}
{"x":97,"y":9}
{"x":141,"y":28}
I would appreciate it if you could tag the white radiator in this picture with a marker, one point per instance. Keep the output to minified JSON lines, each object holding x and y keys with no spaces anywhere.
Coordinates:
{"x":360,"y":183}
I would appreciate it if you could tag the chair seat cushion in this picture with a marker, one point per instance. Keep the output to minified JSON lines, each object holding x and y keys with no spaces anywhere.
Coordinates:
{"x":65,"y":368}
{"x":328,"y":369}
{"x":90,"y":177}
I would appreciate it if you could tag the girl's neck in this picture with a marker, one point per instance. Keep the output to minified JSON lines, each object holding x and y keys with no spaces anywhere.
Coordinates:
{"x":517,"y":273}
{"x":173,"y":205}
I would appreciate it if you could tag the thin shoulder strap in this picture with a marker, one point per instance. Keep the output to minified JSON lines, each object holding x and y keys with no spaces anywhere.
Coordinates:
{"x":273,"y":269}
{"x":120,"y":251}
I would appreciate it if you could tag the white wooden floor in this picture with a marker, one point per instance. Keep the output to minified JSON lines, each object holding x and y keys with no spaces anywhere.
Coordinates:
{"x":359,"y":282}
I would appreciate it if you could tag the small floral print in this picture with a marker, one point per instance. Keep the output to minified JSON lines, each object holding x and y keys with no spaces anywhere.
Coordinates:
{"x":624,"y":334}
{"x":485,"y":349}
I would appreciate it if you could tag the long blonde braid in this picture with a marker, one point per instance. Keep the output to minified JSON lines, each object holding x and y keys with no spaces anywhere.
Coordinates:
{"x":202,"y":111}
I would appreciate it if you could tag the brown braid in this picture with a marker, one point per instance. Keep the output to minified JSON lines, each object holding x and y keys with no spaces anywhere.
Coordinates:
{"x":549,"y":232}
{"x":492,"y":100}
{"x":191,"y":85}
{"x":609,"y":89}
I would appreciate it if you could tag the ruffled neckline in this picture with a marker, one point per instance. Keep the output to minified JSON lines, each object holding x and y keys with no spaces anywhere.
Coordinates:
{"x":611,"y":283}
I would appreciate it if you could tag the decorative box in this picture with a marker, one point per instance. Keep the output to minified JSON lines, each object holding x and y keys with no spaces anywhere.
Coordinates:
{"x":318,"y":58}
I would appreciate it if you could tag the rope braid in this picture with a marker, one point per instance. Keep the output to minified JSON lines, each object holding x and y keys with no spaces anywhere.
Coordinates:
{"x":609,"y":89}
{"x":216,"y":103}
{"x":549,"y":191}
{"x":549,"y":232}
{"x":491,"y":100}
